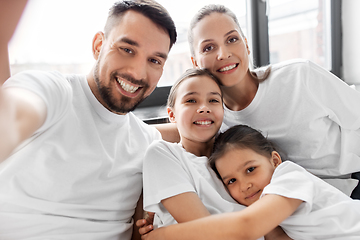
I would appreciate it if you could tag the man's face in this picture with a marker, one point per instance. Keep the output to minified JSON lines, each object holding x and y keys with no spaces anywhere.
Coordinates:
{"x":129,"y":63}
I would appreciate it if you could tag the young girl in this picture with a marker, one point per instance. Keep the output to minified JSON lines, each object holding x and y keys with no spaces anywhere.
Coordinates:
{"x":276,"y":193}
{"x":179,"y":186}
{"x":312,"y":115}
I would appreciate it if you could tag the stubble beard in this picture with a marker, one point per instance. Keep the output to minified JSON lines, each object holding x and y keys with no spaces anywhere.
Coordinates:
{"x":124,"y":104}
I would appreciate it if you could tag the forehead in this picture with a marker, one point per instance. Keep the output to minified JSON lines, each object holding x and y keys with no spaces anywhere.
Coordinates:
{"x":213,"y":26}
{"x":140,"y":29}
{"x":198,"y":84}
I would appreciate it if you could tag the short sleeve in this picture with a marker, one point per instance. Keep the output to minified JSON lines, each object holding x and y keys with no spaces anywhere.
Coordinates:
{"x":164,"y":174}
{"x":292,"y":181}
{"x":52,"y":87}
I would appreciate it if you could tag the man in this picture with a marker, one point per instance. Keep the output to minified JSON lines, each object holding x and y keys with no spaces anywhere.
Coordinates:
{"x":73,"y":151}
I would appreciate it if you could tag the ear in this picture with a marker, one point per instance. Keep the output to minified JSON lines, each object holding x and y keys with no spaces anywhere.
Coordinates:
{"x":247,"y":46}
{"x":195,"y":65}
{"x":97,"y":44}
{"x":275,"y":159}
{"x":171,"y":115}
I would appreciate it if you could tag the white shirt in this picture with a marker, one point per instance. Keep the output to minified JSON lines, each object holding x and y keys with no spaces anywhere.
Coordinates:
{"x":311,"y":115}
{"x":326,"y":212}
{"x":80,"y":175}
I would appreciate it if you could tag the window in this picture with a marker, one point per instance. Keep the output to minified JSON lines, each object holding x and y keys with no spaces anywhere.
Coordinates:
{"x":300,"y":29}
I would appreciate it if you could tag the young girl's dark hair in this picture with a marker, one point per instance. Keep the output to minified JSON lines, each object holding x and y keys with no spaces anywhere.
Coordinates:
{"x":192,"y":72}
{"x":240,"y":137}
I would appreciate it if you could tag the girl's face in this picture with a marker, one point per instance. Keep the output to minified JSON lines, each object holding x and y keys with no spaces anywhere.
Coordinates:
{"x":245,"y":173}
{"x":219,"y":47}
{"x":198,"y":110}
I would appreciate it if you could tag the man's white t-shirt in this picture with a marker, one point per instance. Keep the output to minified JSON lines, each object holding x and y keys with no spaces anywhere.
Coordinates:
{"x":80,"y":175}
{"x":326,"y":212}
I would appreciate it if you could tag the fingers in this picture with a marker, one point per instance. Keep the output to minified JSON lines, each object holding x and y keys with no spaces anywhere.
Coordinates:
{"x":146,"y":229}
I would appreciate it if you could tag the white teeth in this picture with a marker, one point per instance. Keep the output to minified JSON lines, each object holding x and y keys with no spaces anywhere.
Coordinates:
{"x":227,"y":68}
{"x":127,"y":87}
{"x":203,"y":122}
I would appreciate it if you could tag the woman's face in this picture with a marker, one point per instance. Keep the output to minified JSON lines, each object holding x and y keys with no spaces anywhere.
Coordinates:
{"x":219,"y":47}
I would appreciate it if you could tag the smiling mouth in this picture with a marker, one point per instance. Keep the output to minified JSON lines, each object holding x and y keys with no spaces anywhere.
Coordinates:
{"x":127,"y":87}
{"x":205,"y":122}
{"x":252,"y":195}
{"x":228,"y":68}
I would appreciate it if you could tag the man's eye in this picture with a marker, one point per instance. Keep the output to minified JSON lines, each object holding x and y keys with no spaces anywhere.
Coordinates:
{"x":127,"y":50}
{"x":251,"y":169}
{"x":154,"y":61}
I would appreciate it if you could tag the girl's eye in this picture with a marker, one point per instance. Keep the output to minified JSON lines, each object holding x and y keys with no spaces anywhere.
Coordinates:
{"x":251,"y":169}
{"x":190,"y":101}
{"x":208,"y":48}
{"x":214,"y":101}
{"x":231,"y":181}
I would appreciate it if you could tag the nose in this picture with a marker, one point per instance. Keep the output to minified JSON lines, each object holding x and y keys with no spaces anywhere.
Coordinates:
{"x":223,"y":53}
{"x":203,"y":109}
{"x":138,"y":68}
{"x":245,"y":186}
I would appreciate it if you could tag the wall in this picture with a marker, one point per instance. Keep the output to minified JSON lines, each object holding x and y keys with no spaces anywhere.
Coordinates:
{"x":351,"y":41}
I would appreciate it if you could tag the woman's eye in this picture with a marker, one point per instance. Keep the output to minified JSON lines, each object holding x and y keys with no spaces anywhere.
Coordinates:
{"x":208,"y":48}
{"x":233,"y":39}
{"x":231,"y":181}
{"x":251,"y":169}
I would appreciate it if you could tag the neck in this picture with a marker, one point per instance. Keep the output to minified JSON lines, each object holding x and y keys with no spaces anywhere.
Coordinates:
{"x":238,"y":97}
{"x":198,"y":148}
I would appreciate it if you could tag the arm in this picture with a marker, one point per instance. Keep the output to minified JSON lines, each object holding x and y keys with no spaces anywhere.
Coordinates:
{"x":168,"y":132}
{"x":251,"y":223}
{"x":185,"y":207}
{"x":21,"y":114}
{"x":137,"y":215}
{"x":10,"y":13}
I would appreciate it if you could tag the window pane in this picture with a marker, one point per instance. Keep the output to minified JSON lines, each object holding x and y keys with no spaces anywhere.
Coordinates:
{"x":57,"y":35}
{"x":300,"y":29}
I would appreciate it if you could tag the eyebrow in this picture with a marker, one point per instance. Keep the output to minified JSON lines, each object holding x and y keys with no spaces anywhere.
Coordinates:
{"x":225,"y":35}
{"x":240,"y":167}
{"x":136,"y":44}
{"x":196,"y":93}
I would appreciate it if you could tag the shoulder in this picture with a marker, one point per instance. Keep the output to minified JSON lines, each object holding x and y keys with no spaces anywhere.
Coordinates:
{"x":291,"y":65}
{"x":39,"y":81}
{"x":142,"y":130}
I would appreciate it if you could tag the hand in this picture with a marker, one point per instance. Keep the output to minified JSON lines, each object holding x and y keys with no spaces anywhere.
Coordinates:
{"x":145,"y":224}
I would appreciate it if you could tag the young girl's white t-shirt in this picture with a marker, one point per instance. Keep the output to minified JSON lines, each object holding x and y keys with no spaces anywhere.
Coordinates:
{"x":170,"y":170}
{"x":326,"y":212}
